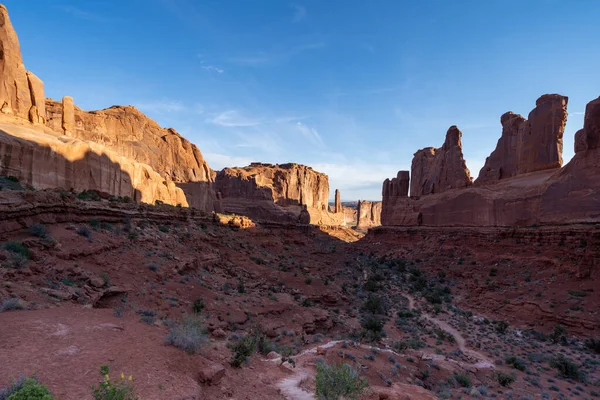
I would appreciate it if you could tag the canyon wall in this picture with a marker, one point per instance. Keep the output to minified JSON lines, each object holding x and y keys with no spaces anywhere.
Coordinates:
{"x":278,"y":192}
{"x":437,"y":170}
{"x":522,"y":183}
{"x":528,"y":145}
{"x":368,"y":214}
{"x":152,"y":156}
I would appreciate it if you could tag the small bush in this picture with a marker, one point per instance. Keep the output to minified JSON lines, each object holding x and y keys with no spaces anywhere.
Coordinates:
{"x":501,"y":326}
{"x":372,"y":329}
{"x":187,"y":335}
{"x":10,"y":305}
{"x":17,"y":248}
{"x":516,"y":363}
{"x":38,"y":230}
{"x":593,"y":344}
{"x":242,"y":349}
{"x":26,"y":389}
{"x":505,"y":379}
{"x":374,"y":305}
{"x":462,"y":380}
{"x":89,"y":195}
{"x":109,"y":390}
{"x":338,"y":381}
{"x":84,"y":231}
{"x":566,"y":367}
{"x":559,"y":335}
{"x":198,"y":305}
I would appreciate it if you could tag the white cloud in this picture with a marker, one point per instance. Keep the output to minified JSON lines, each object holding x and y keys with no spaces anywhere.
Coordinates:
{"x":212,"y":68}
{"x":232,"y":118}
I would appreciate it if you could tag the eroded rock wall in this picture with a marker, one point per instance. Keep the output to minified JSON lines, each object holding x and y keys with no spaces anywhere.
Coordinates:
{"x":437,"y":170}
{"x":368,"y":214}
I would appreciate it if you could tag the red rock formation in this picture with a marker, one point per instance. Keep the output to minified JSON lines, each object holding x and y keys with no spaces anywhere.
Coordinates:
{"x":549,"y":196}
{"x":437,"y":170}
{"x":398,"y":186}
{"x":277,"y":192}
{"x":528,"y":145}
{"x":368,"y":214}
{"x":21,"y":92}
{"x":338,"y":202}
{"x":589,"y":136}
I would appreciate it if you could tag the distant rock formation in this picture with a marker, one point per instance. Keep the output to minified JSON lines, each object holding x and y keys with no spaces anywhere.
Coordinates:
{"x":122,"y":134}
{"x":528,"y":145}
{"x":437,"y":170}
{"x":398,"y":186}
{"x":21,"y":92}
{"x":368,"y":214}
{"x":277,"y":192}
{"x":523,"y":184}
{"x":338,"y":202}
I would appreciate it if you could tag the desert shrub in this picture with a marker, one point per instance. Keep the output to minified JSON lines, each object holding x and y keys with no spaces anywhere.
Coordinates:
{"x":566,"y":367}
{"x":242,"y":349}
{"x":198,"y":305}
{"x":188,"y":335}
{"x":501,"y":326}
{"x":334,"y":382}
{"x":374,"y":305}
{"x":147,"y":316}
{"x":113,"y":390}
{"x":17,"y":248}
{"x":463,"y":380}
{"x":31,"y":389}
{"x":372,"y":328}
{"x":84,"y":231}
{"x":593,"y":344}
{"x":89,"y":195}
{"x":504,"y":379}
{"x":38,"y":230}
{"x":516,"y":363}
{"x":11,"y":304}
{"x":559,"y":335}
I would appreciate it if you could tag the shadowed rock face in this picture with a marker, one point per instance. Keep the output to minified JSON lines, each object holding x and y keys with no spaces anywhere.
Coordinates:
{"x":591,"y":127}
{"x":437,"y":170}
{"x":338,"y":202}
{"x":528,"y":145}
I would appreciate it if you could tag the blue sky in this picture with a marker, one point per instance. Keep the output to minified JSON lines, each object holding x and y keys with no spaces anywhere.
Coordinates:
{"x":351,"y":88}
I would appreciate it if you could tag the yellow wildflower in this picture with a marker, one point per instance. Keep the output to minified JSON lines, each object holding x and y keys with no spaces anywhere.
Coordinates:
{"x":130,"y":377}
{"x":107,"y":377}
{"x":122,"y":376}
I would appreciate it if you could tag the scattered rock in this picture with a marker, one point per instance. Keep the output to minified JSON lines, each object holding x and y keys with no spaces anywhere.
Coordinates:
{"x":212,"y":374}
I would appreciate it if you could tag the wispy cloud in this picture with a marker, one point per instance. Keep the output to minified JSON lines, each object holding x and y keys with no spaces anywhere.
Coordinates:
{"x":212,"y":68}
{"x":232,"y":118}
{"x":299,"y":12}
{"x":309,"y":133}
{"x":88,"y":15}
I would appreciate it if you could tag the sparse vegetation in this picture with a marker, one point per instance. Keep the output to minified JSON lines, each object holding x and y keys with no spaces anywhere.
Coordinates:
{"x":505,"y":379}
{"x":117,"y":389}
{"x":188,"y":335}
{"x":335,"y":382}
{"x":38,"y":230}
{"x":11,"y":305}
{"x":566,"y":367}
{"x":26,"y":389}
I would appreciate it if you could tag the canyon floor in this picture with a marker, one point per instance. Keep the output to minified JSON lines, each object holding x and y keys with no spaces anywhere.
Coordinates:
{"x":422,"y":313}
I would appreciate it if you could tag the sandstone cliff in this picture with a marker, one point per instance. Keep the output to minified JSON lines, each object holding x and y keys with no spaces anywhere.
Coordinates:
{"x":550,"y":195}
{"x":43,"y":160}
{"x":528,"y":145}
{"x":128,"y":132}
{"x":277,"y":192}
{"x":437,"y":170}
{"x":21,"y":92}
{"x":141,"y":146}
{"x":368,"y":214}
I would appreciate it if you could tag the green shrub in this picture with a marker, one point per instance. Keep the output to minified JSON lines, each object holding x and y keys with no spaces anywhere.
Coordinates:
{"x":334,"y":382}
{"x":89,"y":195}
{"x":566,"y":367}
{"x":242,"y":349}
{"x":372,"y":329}
{"x":505,"y":379}
{"x":28,"y":389}
{"x":374,"y":305}
{"x":516,"y":363}
{"x":187,"y":335}
{"x":17,"y":248}
{"x":38,"y":230}
{"x":559,"y":335}
{"x":462,"y":380}
{"x":84,"y":231}
{"x":198,"y":305}
{"x":593,"y":344}
{"x":11,"y":304}
{"x":108,"y":390}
